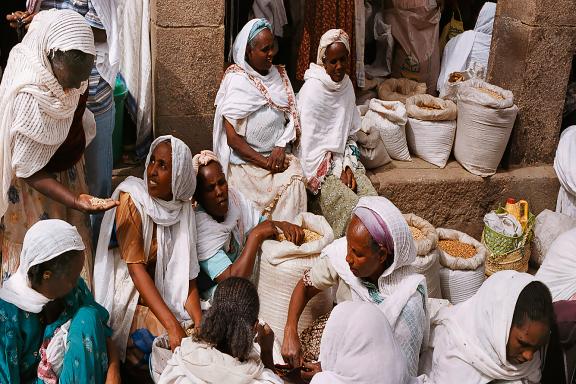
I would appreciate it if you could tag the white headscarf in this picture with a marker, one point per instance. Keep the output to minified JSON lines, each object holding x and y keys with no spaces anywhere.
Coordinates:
{"x":399,"y":281}
{"x":328,"y":112}
{"x":243,"y":91}
{"x":358,"y":347}
{"x":472,"y":336}
{"x":565,"y":167}
{"x":176,"y":260}
{"x":558,"y":271}
{"x":35,"y":112}
{"x":44,"y":241}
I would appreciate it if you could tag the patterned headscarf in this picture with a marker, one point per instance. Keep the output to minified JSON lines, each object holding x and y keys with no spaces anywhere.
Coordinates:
{"x":258,"y":27}
{"x":203,"y":158}
{"x":331,"y":37}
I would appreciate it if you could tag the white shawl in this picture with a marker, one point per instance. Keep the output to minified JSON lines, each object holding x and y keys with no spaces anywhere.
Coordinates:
{"x":176,"y":260}
{"x":35,"y":112}
{"x":472,"y":336}
{"x":214,"y":236}
{"x":398,"y":282}
{"x":558,"y":271}
{"x":328,"y":116}
{"x":358,"y":347}
{"x":44,"y":241}
{"x":565,"y":167}
{"x":198,"y":363}
{"x":244,"y":91}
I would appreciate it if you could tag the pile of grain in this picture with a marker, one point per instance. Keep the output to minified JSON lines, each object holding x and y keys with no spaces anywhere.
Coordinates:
{"x":495,"y":95}
{"x":309,"y":236}
{"x":457,"y":248}
{"x":416,"y":233}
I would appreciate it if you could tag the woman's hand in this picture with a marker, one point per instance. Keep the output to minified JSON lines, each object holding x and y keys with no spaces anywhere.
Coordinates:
{"x":293,"y":233}
{"x":264,"y":230}
{"x":175,"y":336}
{"x":309,"y":370}
{"x":277,"y":162}
{"x":24,"y":16}
{"x":291,"y":348}
{"x":347,"y":177}
{"x":265,"y":337}
{"x":91,"y":204}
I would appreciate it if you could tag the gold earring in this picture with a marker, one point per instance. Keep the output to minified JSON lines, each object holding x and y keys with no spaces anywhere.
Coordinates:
{"x":46,"y":275}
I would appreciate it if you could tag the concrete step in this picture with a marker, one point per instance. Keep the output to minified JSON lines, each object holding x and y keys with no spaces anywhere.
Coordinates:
{"x":454,"y":198}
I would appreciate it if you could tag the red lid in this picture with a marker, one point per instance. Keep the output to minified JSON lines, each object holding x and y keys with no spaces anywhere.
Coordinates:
{"x":511,"y":200}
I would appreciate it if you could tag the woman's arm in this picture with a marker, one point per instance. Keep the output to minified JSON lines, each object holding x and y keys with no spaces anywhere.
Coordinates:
{"x":113,"y":375}
{"x":242,"y":148}
{"x":192,"y":305}
{"x":147,"y":289}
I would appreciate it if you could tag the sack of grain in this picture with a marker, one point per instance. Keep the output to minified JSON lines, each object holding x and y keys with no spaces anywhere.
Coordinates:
{"x":486,"y":115}
{"x":429,"y":266}
{"x":549,"y":225}
{"x":400,"y":89}
{"x":462,"y":258}
{"x":431,"y":128}
{"x":389,"y":118}
{"x":282,"y":265}
{"x":373,"y":153}
{"x":428,"y":261}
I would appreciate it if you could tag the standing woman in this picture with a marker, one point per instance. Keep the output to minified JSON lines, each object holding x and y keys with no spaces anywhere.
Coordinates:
{"x":329,"y":118}
{"x":255,"y":123}
{"x":41,"y":151}
{"x":147,"y":281}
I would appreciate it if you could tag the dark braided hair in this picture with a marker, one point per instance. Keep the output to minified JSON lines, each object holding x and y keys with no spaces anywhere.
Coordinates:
{"x":535,"y":304}
{"x":59,"y":266}
{"x":229,"y":324}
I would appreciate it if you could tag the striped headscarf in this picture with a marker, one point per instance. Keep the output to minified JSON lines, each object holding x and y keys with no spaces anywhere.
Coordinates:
{"x":330,"y":37}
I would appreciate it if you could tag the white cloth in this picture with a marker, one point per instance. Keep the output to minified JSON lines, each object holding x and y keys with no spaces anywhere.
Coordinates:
{"x":558,"y":271}
{"x":176,"y":258}
{"x":503,"y":223}
{"x":57,"y":348}
{"x":565,"y":167}
{"x":274,"y":12}
{"x":330,"y":37}
{"x":244,"y":91}
{"x":213,"y":236}
{"x":328,"y":117}
{"x":468,"y":47}
{"x":44,"y":241}
{"x":35,"y":112}
{"x":358,"y":347}
{"x":108,"y":53}
{"x":198,"y":363}
{"x":471,"y":338}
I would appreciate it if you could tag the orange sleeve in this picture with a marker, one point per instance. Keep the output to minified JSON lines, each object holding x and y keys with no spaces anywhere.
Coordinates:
{"x":129,"y":231}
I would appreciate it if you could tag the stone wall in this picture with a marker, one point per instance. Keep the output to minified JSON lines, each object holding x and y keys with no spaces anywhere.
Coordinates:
{"x":187,"y":39}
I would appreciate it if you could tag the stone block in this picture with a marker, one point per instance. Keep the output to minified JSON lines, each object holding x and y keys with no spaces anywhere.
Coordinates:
{"x":454,"y":198}
{"x":187,"y":69}
{"x":194,"y":130}
{"x":190,"y":13}
{"x":534,"y":63}
{"x":539,"y":12}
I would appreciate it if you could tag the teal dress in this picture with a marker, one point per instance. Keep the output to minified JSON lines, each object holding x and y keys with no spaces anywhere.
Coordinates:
{"x":22,"y":334}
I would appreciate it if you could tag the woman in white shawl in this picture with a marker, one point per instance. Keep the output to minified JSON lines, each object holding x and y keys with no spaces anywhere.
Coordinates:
{"x":147,"y":281}
{"x":372,"y":264}
{"x":255,"y":123}
{"x":565,"y":167}
{"x":42,"y":141}
{"x":358,"y":347}
{"x":558,"y":271}
{"x":230,"y":229}
{"x":329,"y":119}
{"x":496,"y":335}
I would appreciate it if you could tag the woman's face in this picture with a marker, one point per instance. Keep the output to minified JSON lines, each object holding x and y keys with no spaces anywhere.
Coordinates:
{"x":364,"y":257}
{"x":525,"y":341}
{"x":57,"y":285}
{"x":71,"y":74}
{"x":260,"y":51}
{"x":212,"y":190}
{"x":335,"y":61}
{"x":159,"y":172}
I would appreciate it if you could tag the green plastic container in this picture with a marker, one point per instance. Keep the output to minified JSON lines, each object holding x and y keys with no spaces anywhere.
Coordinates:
{"x":120,"y":92}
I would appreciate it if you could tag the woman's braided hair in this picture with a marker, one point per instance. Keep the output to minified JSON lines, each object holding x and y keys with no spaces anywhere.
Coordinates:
{"x":229,"y":324}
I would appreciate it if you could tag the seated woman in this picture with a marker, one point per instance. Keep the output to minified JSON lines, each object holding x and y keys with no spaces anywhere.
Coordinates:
{"x":329,"y":120}
{"x":51,"y":329}
{"x":558,"y":271}
{"x":358,"y":347}
{"x":148,"y":281}
{"x":223,"y":351}
{"x":496,"y":335}
{"x":255,"y":122}
{"x":230,"y":230}
{"x":372,"y":264}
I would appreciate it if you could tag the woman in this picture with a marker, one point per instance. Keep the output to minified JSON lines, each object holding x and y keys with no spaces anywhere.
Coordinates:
{"x":558,"y":271}
{"x":52,"y":330}
{"x":496,"y":334}
{"x":372,"y":264}
{"x":223,"y":351}
{"x":148,"y":282}
{"x":41,"y":152}
{"x":256,"y":121}
{"x":329,"y":119}
{"x":230,"y":229}
{"x":358,"y":347}
{"x":565,"y":167}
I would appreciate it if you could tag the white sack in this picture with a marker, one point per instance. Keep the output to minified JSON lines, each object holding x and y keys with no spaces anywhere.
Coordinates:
{"x":459,"y":263}
{"x":429,"y":266}
{"x":547,"y":227}
{"x":389,"y":118}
